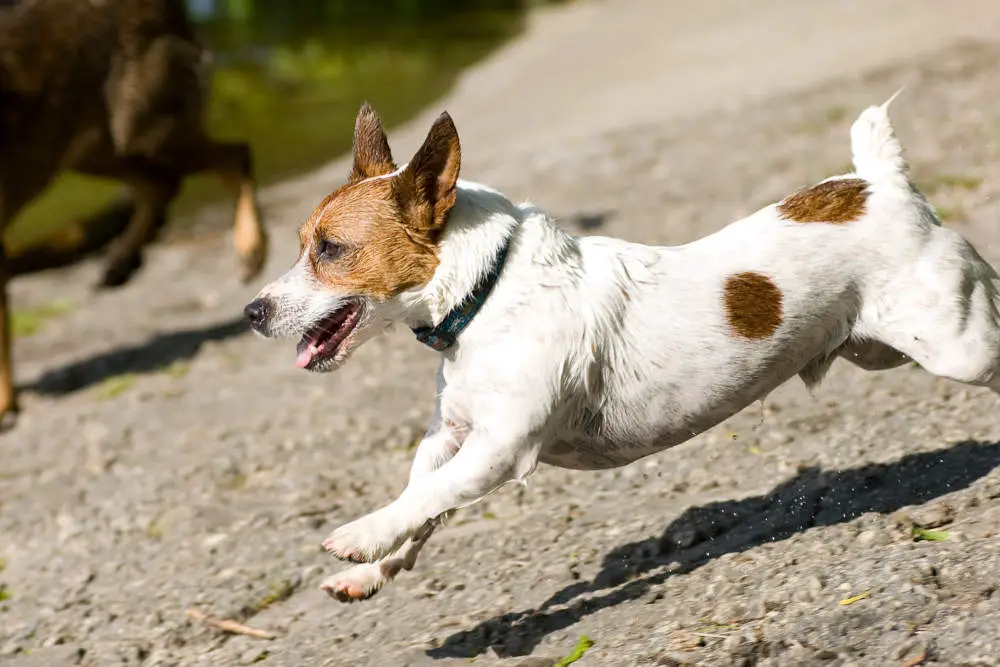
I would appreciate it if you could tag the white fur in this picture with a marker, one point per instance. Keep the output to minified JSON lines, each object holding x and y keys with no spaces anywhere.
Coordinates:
{"x":594,"y":352}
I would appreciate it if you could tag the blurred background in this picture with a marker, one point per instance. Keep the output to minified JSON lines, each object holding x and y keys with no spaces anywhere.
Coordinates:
{"x":289,"y":77}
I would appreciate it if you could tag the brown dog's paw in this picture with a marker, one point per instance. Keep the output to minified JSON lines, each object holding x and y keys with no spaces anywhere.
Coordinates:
{"x":252,"y":262}
{"x":119,"y":270}
{"x":8,"y":419}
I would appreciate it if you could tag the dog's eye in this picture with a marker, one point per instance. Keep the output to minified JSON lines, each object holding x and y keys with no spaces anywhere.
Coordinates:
{"x":329,"y":250}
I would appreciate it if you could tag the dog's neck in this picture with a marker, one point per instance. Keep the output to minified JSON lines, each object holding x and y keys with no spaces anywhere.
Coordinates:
{"x":479,"y":228}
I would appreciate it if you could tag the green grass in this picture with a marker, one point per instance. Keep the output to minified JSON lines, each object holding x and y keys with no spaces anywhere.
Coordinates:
{"x":950,"y":213}
{"x":582,"y":646}
{"x":178,"y":369}
{"x":30,"y":320}
{"x":114,"y":386}
{"x":279,"y":593}
{"x":155,"y":530}
{"x":836,"y":114}
{"x":924,"y":535}
{"x":4,"y":593}
{"x":949,"y":182}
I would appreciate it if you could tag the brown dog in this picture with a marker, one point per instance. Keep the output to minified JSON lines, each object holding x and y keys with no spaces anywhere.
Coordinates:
{"x":115,"y":89}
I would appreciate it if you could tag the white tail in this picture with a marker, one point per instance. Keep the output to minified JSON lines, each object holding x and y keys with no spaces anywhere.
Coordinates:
{"x":878,"y":155}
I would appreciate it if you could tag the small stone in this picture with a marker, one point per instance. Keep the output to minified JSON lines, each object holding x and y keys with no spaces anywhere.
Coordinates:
{"x":933,"y":516}
{"x":866,"y":537}
{"x":815,"y":586}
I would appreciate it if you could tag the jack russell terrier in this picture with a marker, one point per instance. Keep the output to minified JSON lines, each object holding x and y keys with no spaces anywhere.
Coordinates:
{"x":591,"y":353}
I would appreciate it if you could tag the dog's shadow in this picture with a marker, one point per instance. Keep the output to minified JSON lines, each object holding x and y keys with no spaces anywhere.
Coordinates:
{"x":813,"y":498}
{"x":152,"y":355}
{"x":590,"y":221}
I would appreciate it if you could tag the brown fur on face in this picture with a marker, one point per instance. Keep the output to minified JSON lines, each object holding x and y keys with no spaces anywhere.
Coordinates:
{"x":837,"y":202}
{"x":378,"y":235}
{"x":753,"y":305}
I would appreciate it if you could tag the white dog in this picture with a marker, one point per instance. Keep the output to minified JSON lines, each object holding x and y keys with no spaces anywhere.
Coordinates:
{"x":591,"y":353}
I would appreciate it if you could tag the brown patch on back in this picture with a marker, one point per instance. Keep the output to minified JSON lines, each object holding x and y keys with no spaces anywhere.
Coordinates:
{"x":378,"y":235}
{"x":753,"y":305}
{"x":835,"y":202}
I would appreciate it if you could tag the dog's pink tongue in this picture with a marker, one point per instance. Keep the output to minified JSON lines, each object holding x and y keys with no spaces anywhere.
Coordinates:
{"x":305,"y":356}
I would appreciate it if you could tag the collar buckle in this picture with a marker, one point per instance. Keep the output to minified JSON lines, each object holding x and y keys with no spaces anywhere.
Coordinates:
{"x":434,"y":338}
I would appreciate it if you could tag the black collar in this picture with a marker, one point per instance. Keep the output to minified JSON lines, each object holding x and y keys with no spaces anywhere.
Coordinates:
{"x":444,"y":335}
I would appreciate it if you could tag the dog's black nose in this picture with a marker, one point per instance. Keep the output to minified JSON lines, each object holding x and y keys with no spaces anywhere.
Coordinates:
{"x":257,"y":312}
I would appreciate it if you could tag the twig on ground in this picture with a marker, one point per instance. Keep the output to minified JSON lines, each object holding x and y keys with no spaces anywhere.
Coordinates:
{"x":852,"y":600}
{"x":229,"y":625}
{"x":913,"y":662}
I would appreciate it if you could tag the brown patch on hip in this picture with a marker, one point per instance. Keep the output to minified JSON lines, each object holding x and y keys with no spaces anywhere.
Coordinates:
{"x":836,"y":202}
{"x":753,"y":305}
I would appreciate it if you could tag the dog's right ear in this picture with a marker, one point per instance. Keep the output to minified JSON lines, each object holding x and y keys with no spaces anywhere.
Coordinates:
{"x":430,"y":178}
{"x":372,"y":156}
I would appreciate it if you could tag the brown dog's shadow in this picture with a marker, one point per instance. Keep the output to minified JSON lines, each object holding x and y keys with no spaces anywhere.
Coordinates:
{"x":150,"y":356}
{"x":813,"y":498}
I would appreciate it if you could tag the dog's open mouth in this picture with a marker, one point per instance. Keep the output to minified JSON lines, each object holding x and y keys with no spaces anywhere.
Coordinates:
{"x":324,"y":339}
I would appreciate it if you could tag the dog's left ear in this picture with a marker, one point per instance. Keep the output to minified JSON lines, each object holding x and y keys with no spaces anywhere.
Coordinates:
{"x":372,"y":156}
{"x":431,"y":176}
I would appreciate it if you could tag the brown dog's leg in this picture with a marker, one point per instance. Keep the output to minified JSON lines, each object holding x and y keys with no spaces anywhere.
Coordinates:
{"x":152,"y":197}
{"x":8,"y":399}
{"x":153,"y":189}
{"x":233,"y":163}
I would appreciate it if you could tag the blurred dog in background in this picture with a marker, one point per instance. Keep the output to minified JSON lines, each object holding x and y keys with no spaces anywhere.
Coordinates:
{"x":114,"y":89}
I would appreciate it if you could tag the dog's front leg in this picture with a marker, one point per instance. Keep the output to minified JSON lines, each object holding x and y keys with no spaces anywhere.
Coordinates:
{"x":364,"y":580}
{"x":361,"y":582}
{"x":485,"y":462}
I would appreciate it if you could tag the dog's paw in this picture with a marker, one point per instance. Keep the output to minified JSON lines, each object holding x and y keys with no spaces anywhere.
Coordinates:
{"x":356,"y":583}
{"x":367,"y":539}
{"x":119,"y":270}
{"x":252,"y":261}
{"x":8,"y":419}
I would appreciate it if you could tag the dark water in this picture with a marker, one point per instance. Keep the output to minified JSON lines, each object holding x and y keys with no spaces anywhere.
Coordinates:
{"x":290,"y":75}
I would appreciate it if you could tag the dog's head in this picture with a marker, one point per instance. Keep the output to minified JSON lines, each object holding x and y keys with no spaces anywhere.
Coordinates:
{"x":364,"y":245}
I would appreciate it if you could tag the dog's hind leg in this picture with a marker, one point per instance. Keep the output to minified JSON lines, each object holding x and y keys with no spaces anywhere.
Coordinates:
{"x":152,"y":198}
{"x":152,"y":188}
{"x":233,"y":163}
{"x":14,"y":194}
{"x":8,"y":398}
{"x":944,"y":313}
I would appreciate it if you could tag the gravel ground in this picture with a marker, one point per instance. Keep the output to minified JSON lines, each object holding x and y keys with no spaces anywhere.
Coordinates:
{"x":168,"y":460}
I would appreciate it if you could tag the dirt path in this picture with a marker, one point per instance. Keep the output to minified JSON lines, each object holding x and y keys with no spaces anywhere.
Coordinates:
{"x":168,"y":460}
